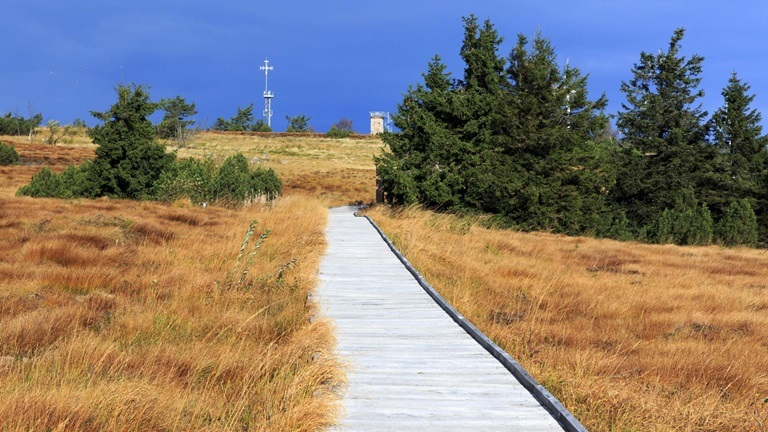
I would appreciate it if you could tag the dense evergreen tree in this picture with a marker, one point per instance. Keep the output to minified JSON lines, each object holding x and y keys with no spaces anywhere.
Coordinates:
{"x":549,"y":136}
{"x":664,"y":131}
{"x":517,"y":140}
{"x":443,"y":154}
{"x":128,"y":159}
{"x":425,"y":157}
{"x":478,"y":109}
{"x":740,"y":171}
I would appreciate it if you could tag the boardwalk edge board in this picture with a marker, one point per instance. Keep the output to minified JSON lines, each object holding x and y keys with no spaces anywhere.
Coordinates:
{"x":544,"y":397}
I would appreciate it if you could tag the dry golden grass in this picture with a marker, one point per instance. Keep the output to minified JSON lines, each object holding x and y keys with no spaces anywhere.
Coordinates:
{"x":628,"y":336}
{"x":120,"y":315}
{"x":336,"y":171}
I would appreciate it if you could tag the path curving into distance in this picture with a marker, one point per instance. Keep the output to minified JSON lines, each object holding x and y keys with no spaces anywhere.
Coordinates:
{"x":413,"y":368}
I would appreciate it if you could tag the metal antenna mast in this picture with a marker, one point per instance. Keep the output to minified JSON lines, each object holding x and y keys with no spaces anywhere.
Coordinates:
{"x":268,"y":95}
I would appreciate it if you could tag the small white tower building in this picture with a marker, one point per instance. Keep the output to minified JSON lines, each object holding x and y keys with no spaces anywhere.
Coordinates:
{"x":377,"y":122}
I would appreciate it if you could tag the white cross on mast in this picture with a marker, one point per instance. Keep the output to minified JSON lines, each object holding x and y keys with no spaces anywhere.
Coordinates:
{"x":268,"y":95}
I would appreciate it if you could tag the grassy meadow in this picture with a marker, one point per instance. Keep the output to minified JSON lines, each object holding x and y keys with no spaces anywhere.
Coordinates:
{"x":123,"y":315}
{"x":630,"y":337}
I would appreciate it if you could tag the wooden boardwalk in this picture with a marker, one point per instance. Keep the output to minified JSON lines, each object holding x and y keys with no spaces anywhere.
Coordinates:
{"x":412,"y":367}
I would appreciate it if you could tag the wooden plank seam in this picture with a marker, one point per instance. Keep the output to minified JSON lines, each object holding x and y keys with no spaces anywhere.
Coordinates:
{"x":541,"y":394}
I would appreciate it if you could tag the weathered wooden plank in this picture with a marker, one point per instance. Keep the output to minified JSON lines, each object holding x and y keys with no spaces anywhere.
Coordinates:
{"x":412,"y":367}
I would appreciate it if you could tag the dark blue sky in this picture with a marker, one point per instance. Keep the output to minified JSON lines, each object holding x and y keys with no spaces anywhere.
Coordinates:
{"x":339,"y":59}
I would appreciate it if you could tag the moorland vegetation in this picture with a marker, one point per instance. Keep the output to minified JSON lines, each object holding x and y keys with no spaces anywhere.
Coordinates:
{"x":142,"y":310}
{"x":628,"y":336}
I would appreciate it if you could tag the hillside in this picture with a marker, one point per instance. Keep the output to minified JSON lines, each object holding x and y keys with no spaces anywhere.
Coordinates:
{"x":628,"y":336}
{"x":126,"y":315}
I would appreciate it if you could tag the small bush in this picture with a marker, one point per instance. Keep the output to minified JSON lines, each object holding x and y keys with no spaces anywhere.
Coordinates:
{"x":687,"y":223}
{"x":738,"y":225}
{"x":236,"y":183}
{"x":188,"y":178}
{"x":335,"y":132}
{"x":44,"y":184}
{"x":620,"y":229}
{"x":233,"y":183}
{"x":80,"y":181}
{"x":8,"y":155}
{"x":74,"y":182}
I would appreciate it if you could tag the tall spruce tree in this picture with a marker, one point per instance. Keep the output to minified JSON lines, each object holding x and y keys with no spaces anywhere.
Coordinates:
{"x":446,"y":128}
{"x":477,"y":101}
{"x":740,"y":172}
{"x":514,"y":141}
{"x":664,"y":131}
{"x":550,"y":160}
{"x":422,"y":162}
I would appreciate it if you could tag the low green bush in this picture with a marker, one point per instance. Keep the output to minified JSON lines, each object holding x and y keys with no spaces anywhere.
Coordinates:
{"x":236,"y":183}
{"x":8,"y":155}
{"x":73,"y":182}
{"x":187,"y":178}
{"x":688,"y":222}
{"x":231,"y":184}
{"x":738,"y":226}
{"x":335,"y":132}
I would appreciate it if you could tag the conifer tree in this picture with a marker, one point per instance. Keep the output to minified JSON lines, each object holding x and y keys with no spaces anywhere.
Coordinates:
{"x":128,"y":159}
{"x":415,"y":168}
{"x":443,"y":150}
{"x":664,"y":132}
{"x":547,"y":143}
{"x":476,"y":103}
{"x":515,"y":141}
{"x":484,"y":69}
{"x":177,"y":118}
{"x":742,"y":154}
{"x":242,"y":121}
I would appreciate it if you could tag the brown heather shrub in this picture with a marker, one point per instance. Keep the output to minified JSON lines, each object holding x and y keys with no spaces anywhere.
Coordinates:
{"x":628,"y":336}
